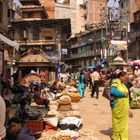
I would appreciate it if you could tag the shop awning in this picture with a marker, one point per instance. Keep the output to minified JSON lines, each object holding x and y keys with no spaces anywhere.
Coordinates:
{"x":9,"y":42}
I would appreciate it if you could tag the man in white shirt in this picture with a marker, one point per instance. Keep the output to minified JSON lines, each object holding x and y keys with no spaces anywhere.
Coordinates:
{"x":95,"y":76}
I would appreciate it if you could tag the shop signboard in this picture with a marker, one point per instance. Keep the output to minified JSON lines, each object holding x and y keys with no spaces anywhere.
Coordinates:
{"x":64,"y":51}
{"x":118,"y":45}
{"x":48,"y":32}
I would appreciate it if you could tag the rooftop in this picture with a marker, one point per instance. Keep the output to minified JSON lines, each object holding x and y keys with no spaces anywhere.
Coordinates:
{"x":21,"y":23}
{"x":26,"y":2}
{"x":32,"y":8}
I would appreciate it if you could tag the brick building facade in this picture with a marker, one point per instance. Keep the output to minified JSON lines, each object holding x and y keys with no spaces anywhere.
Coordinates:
{"x":49,"y":7}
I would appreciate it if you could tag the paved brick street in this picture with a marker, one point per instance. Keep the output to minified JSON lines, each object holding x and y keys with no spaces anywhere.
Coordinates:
{"x":96,"y":115}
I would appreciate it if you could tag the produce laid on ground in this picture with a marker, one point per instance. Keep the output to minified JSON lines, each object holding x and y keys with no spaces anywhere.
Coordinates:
{"x":135,"y":95}
{"x":66,"y":135}
{"x":63,"y":120}
{"x":64,"y":100}
{"x":84,"y":134}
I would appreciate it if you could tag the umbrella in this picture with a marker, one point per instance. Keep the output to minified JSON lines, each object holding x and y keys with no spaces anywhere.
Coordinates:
{"x":104,"y":62}
{"x":135,"y":62}
{"x":91,"y":67}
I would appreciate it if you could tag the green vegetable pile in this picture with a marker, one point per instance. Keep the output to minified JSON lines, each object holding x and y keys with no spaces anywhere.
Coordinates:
{"x":135,"y":95}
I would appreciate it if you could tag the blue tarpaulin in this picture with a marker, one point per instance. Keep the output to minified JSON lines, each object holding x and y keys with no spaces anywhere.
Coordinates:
{"x":102,"y":63}
{"x":91,"y":67}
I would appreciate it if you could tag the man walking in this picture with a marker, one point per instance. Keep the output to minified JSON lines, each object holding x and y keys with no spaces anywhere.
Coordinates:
{"x":95,"y":76}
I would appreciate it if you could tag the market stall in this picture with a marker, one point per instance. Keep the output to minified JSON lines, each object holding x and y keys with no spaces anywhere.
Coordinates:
{"x":118,"y":62}
{"x":135,"y":98}
{"x":37,"y":62}
{"x":31,"y":77}
{"x":63,"y":120}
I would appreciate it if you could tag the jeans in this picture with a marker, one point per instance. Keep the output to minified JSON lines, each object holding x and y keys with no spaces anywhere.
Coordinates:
{"x":95,"y":88}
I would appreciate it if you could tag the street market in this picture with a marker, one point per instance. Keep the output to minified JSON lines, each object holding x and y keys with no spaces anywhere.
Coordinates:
{"x":62,"y":120}
{"x":69,"y":69}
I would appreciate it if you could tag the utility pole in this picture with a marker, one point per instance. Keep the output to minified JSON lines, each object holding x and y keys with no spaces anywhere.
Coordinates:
{"x":105,"y":18}
{"x":128,"y":29}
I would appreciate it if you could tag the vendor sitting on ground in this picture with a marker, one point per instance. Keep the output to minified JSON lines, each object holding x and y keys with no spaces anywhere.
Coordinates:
{"x":25,"y":112}
{"x":53,"y":88}
{"x":8,"y":110}
{"x":38,"y":100}
{"x":61,"y":84}
{"x":17,"y":131}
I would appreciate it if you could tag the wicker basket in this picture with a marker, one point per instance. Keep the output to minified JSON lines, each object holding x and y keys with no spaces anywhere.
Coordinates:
{"x":63,"y":138}
{"x":138,"y":106}
{"x":74,"y":99}
{"x":35,"y":125}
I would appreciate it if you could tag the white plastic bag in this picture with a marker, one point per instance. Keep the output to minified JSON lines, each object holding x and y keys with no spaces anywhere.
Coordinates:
{"x":53,"y":121}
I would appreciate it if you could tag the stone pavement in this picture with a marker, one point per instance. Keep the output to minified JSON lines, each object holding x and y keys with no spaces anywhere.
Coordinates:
{"x":96,"y":116}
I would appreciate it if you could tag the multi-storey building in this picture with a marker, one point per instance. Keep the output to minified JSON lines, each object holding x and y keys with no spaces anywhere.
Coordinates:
{"x":70,"y":9}
{"x":92,"y":11}
{"x":129,"y":13}
{"x":86,"y":49}
{"x":5,"y":43}
{"x":134,"y":50}
{"x":37,"y":32}
{"x":3,"y":31}
{"x":49,"y":6}
{"x":127,"y":8}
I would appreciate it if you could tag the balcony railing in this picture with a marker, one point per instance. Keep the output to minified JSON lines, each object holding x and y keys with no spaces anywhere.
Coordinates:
{"x":36,"y":42}
{"x":89,"y":53}
{"x":135,"y":35}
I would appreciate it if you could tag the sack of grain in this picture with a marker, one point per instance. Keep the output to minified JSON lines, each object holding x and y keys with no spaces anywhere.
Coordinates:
{"x":65,"y":107}
{"x":53,"y":107}
{"x":75,"y":108}
{"x":53,"y":121}
{"x":53,"y":113}
{"x":64,"y":100}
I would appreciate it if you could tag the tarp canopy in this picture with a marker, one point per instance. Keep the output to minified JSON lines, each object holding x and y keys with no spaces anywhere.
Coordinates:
{"x":9,"y":42}
{"x":101,"y":64}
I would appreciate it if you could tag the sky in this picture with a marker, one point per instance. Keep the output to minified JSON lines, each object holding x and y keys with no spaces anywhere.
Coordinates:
{"x":17,"y":2}
{"x":111,"y":2}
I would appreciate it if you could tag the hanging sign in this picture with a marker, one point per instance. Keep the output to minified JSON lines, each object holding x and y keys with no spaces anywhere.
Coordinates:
{"x":118,"y":45}
{"x":64,"y":51}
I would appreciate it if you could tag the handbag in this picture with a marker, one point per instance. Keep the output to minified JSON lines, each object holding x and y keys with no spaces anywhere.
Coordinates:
{"x":106,"y":94}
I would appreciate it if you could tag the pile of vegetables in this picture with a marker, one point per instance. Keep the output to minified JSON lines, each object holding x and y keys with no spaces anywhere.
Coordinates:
{"x":135,"y":95}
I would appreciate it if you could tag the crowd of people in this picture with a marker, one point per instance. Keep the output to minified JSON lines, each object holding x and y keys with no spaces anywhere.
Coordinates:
{"x":119,"y":80}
